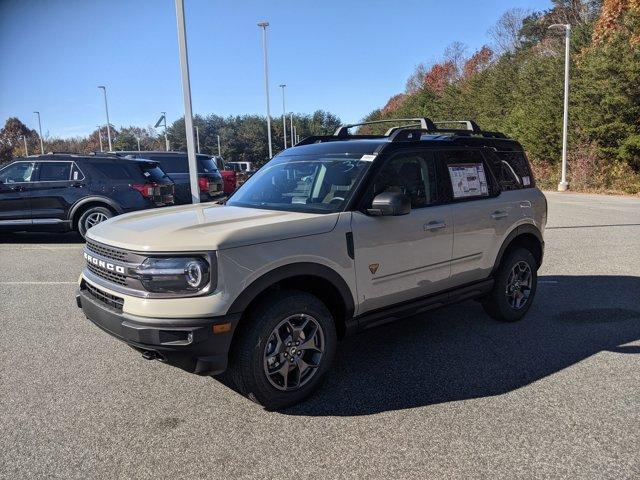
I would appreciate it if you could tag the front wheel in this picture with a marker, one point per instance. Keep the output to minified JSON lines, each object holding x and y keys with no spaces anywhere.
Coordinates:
{"x":284,"y":350}
{"x":515,"y":286}
{"x":92,"y":217}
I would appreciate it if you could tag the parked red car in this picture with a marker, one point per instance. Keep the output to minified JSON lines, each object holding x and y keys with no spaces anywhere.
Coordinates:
{"x":229,"y":177}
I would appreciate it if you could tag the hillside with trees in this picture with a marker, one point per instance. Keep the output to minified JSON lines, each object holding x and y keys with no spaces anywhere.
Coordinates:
{"x":516,"y":86}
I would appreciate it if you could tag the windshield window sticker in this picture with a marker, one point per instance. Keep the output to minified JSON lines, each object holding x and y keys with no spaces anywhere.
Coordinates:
{"x":368,"y":158}
{"x":468,"y":180}
{"x":526,"y":181}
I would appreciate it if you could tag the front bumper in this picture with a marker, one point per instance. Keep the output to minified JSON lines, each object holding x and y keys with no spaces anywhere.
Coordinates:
{"x":186,"y":343}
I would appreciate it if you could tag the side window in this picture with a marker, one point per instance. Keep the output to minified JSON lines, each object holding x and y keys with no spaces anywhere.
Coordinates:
{"x":76,"y":173}
{"x":512,"y":170}
{"x":54,"y":171}
{"x":467,"y":174}
{"x":413,"y":174}
{"x":114,"y":171}
{"x":20,"y":172}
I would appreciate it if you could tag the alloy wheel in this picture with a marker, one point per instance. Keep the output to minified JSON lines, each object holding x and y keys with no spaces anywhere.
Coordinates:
{"x":519,"y":285}
{"x":293,"y":352}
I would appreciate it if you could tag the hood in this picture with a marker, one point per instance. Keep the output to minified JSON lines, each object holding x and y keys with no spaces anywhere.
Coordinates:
{"x":206,"y":227}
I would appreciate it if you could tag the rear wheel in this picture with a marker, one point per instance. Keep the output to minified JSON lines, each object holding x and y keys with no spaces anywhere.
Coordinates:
{"x":284,"y":350}
{"x":92,"y":217}
{"x":515,"y":286}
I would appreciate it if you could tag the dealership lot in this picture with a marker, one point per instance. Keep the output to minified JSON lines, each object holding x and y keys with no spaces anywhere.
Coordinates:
{"x":447,"y":394}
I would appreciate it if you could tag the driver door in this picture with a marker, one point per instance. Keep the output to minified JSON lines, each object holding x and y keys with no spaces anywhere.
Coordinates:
{"x":400,"y":258}
{"x":15,"y":201}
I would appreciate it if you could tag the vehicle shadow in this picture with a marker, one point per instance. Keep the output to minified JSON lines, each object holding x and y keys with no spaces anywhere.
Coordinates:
{"x":40,"y":237}
{"x":459,"y":353}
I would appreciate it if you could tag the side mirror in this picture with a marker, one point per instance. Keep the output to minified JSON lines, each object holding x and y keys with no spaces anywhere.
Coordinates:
{"x":390,"y":203}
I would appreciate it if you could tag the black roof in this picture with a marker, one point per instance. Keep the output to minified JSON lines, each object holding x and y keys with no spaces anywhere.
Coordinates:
{"x":421,"y":132}
{"x":81,"y":157}
{"x":157,"y":153}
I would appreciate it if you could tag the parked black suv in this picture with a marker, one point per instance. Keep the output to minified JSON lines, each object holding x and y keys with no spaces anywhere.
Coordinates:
{"x":62,"y":192}
{"x":176,"y":164}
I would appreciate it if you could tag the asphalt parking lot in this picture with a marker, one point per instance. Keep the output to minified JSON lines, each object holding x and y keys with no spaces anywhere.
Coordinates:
{"x":446,"y":395}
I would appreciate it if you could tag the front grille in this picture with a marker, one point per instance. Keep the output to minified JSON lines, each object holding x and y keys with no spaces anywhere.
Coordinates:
{"x":104,"y":297}
{"x":107,"y":252}
{"x":113,"y":277}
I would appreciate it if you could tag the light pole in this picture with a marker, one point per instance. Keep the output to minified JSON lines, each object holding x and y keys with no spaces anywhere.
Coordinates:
{"x":219,"y":150}
{"x":291,"y":127}
{"x":100,"y":137}
{"x":26,"y":149}
{"x":138,"y":140}
{"x":40,"y":131}
{"x":106,"y":109}
{"x":198,"y":138}
{"x":564,"y":185}
{"x":186,"y":93}
{"x":264,"y":26}
{"x":284,"y":118}
{"x":166,"y":139}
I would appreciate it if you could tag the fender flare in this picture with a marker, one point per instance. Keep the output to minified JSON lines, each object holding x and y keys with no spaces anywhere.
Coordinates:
{"x":278,"y":274}
{"x":94,"y":198}
{"x":526,"y":228}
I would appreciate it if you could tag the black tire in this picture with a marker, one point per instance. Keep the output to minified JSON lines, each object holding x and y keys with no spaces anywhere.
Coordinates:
{"x":499,"y":304}
{"x":85,"y":220}
{"x":247,"y":364}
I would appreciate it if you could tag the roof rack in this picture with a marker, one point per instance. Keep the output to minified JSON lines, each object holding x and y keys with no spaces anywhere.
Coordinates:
{"x":403,"y":133}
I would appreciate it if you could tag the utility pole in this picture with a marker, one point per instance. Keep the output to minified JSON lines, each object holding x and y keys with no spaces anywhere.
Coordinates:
{"x":186,"y":93}
{"x":100,"y":137}
{"x":284,"y":118}
{"x":26,"y":149}
{"x":40,"y":130}
{"x":564,"y":185}
{"x":138,"y":140}
{"x":106,"y":109}
{"x":198,"y":138}
{"x":219,"y":150}
{"x":264,"y":26}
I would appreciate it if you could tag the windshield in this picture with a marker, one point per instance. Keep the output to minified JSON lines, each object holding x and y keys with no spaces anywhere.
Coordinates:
{"x":313,"y":184}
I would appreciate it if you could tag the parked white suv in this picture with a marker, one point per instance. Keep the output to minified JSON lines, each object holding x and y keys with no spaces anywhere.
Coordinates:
{"x":337,"y":234}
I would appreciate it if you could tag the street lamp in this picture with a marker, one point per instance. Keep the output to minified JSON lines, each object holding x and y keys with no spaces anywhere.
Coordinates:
{"x":106,"y":109}
{"x":26,"y":149}
{"x":284,"y":117}
{"x":166,"y":139}
{"x":186,"y":94}
{"x":40,"y":130}
{"x":291,"y":127}
{"x":264,"y":26}
{"x":564,"y":185}
{"x":219,"y":150}
{"x":198,"y":138}
{"x":100,"y":137}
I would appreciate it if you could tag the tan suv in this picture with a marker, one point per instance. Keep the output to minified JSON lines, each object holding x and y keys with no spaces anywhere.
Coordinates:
{"x":335,"y":235}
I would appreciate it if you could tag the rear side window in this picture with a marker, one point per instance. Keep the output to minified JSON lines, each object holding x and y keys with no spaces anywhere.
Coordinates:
{"x":115,"y":171}
{"x":207,"y":165}
{"x":173,"y":164}
{"x":468,"y":176}
{"x":511,"y":169}
{"x":54,"y":171}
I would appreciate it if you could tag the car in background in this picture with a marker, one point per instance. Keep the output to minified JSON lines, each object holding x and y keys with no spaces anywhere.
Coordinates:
{"x":229,"y":177}
{"x":63,"y":192}
{"x":176,"y":165}
{"x":243,"y":170}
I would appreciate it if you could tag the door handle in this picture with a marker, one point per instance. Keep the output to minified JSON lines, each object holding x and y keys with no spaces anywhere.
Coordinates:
{"x":499,"y":214}
{"x":434,"y":225}
{"x":76,"y":185}
{"x":525,"y":204}
{"x":18,"y":188}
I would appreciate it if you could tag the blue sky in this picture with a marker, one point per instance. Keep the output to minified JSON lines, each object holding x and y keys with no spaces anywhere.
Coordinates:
{"x":347,"y":57}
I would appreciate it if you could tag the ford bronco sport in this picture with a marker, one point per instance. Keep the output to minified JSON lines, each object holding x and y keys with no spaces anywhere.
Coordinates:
{"x":337,"y":234}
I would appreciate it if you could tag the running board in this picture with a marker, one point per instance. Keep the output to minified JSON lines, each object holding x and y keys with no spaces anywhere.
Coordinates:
{"x":423,"y":304}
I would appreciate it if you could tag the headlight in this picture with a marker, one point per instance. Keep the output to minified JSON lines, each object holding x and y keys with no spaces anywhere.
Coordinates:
{"x":174,"y":275}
